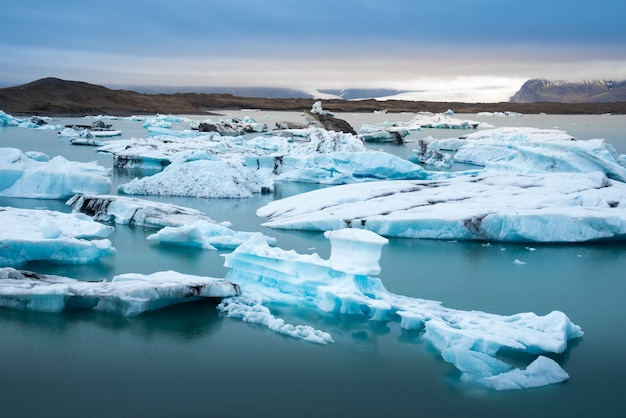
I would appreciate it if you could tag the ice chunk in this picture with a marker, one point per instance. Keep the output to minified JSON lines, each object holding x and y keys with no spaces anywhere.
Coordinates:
{"x":440,"y":121}
{"x":126,"y":294}
{"x":203,"y":234}
{"x":201,"y":178}
{"x":53,"y":236}
{"x":58,"y":178}
{"x":338,"y":167}
{"x":320,"y":157}
{"x":134,"y":211}
{"x":252,"y":311}
{"x":532,"y":150}
{"x":9,"y":120}
{"x":470,"y":340}
{"x":488,"y":205}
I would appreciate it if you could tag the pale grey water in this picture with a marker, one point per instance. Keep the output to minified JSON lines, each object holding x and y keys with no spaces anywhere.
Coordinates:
{"x":190,"y":361}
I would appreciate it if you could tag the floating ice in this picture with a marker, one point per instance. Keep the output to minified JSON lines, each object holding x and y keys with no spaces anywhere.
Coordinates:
{"x":53,"y":236}
{"x":377,"y":133}
{"x":126,"y":294}
{"x":203,"y":234}
{"x":9,"y":120}
{"x":180,"y":225}
{"x":469,"y":340}
{"x":489,"y":206}
{"x":58,"y":178}
{"x":133,"y":211}
{"x":532,"y":150}
{"x":338,"y":167}
{"x":440,"y":121}
{"x":500,"y":114}
{"x":207,"y":178}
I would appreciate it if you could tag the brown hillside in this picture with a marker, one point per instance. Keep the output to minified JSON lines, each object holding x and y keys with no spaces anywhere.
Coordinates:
{"x":56,"y":97}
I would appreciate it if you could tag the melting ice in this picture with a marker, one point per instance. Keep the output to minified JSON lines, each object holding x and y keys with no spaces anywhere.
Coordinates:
{"x":126,"y":294}
{"x":343,"y":284}
{"x":52,"y":236}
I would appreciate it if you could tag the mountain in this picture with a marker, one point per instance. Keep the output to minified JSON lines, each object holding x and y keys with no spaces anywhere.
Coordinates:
{"x":56,"y":97}
{"x":589,"y":91}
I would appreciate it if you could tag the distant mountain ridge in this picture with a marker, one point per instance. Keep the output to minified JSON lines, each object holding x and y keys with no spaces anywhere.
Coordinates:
{"x":585,"y":91}
{"x":55,"y":97}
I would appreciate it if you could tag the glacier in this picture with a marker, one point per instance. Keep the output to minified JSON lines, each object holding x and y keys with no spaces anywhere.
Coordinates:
{"x":37,"y":176}
{"x":488,"y":206}
{"x":52,"y":236}
{"x":126,"y":294}
{"x":343,"y":284}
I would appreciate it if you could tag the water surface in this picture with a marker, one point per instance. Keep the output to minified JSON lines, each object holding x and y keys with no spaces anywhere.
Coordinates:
{"x":190,"y":361}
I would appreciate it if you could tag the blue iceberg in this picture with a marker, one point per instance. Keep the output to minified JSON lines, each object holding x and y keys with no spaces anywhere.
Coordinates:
{"x":25,"y":175}
{"x":126,"y":294}
{"x":52,"y":236}
{"x":343,"y":284}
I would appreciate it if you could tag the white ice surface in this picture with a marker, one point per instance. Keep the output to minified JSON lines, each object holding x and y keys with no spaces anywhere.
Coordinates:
{"x":135,"y":211}
{"x":29,"y":234}
{"x":178,"y":225}
{"x":489,"y":205}
{"x":470,"y":340}
{"x":57,"y":178}
{"x":203,"y":234}
{"x":206,"y":178}
{"x":440,"y":121}
{"x":126,"y":294}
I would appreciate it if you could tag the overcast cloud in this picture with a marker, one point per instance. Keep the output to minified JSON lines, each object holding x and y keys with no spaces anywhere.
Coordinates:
{"x":399,"y":44}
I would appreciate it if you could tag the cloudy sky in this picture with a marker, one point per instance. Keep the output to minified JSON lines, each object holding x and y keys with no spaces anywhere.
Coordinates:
{"x":323,"y":44}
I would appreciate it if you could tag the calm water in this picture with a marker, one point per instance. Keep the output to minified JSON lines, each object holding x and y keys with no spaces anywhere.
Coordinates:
{"x":190,"y":361}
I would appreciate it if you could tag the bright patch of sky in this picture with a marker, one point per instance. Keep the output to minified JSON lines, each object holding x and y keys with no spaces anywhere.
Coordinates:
{"x":397,"y":44}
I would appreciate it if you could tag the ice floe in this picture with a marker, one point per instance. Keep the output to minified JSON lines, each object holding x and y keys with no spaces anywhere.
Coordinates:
{"x":56,"y":178}
{"x":133,"y":211}
{"x":70,"y":238}
{"x":440,"y":121}
{"x":178,"y":225}
{"x":489,"y":205}
{"x":126,"y":294}
{"x":470,"y":340}
{"x":204,"y":234}
{"x":532,"y":150}
{"x":201,"y":175}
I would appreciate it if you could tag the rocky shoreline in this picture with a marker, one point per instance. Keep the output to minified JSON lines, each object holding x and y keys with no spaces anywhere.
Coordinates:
{"x":55,"y":97}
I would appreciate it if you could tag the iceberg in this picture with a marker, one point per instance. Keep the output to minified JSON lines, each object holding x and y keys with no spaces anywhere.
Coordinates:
{"x":439,"y":121}
{"x":52,"y":236}
{"x":9,"y":120}
{"x":126,"y":294}
{"x":487,"y":206}
{"x":343,"y":284}
{"x":321,"y":157}
{"x":204,"y":234}
{"x":201,"y":175}
{"x":56,"y":178}
{"x":178,"y":225}
{"x":533,"y":150}
{"x":375,"y":133}
{"x":132,"y":211}
{"x":230,"y":127}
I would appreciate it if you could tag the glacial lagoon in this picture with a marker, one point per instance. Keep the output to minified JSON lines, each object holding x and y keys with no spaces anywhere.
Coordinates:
{"x":189,"y":360}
